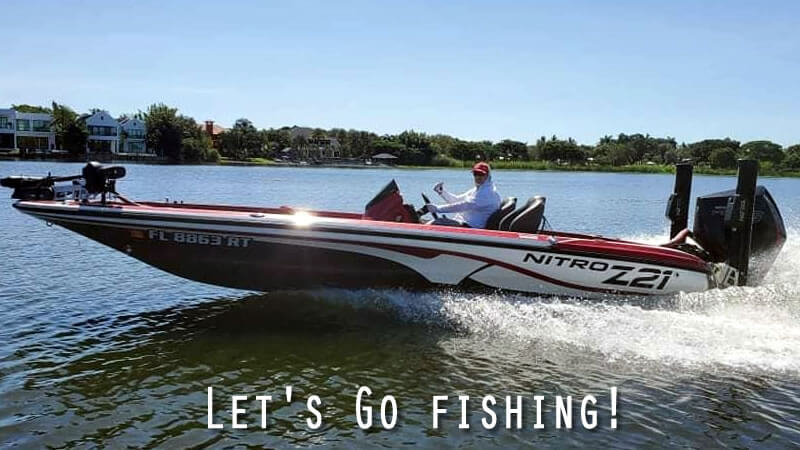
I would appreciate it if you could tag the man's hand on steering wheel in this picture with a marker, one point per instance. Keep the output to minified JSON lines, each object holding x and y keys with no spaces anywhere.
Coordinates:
{"x":429,"y":207}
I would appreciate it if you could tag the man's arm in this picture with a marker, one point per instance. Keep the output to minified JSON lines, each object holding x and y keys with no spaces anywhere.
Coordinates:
{"x":458,"y":206}
{"x":452,"y":198}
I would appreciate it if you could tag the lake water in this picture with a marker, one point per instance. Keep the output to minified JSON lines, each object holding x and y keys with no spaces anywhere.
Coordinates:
{"x":100,"y":350}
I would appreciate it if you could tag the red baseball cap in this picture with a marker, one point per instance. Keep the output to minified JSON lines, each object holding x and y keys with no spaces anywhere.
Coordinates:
{"x":480,"y":168}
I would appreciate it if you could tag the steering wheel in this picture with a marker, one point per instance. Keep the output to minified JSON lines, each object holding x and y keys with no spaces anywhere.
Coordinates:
{"x":427,"y":201}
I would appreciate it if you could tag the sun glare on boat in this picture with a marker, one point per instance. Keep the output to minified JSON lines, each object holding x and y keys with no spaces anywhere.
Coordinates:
{"x":302,"y":218}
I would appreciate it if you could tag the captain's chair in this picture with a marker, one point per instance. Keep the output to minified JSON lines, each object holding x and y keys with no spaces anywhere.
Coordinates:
{"x":530,"y":219}
{"x":506,"y":208}
{"x":505,"y":222}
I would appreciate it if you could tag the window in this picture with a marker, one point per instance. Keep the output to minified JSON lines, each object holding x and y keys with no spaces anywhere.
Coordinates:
{"x":41,"y":125}
{"x":136,"y":147}
{"x":23,"y":125}
{"x":32,"y":143}
{"x":5,"y":124}
{"x":102,"y":131}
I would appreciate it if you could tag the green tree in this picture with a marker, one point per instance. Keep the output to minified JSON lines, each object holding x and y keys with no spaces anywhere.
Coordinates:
{"x":464,"y":151}
{"x":701,"y":151}
{"x":278,"y":140}
{"x":197,"y":148}
{"x":615,"y":153}
{"x":792,"y":158}
{"x":419,"y":148}
{"x":30,"y":109}
{"x":244,"y":141}
{"x":445,"y":144}
{"x":723,"y":158}
{"x":164,"y":133}
{"x":512,"y":149}
{"x":195,"y":143}
{"x":559,"y":150}
{"x":71,"y":131}
{"x":299,"y":143}
{"x":486,"y":151}
{"x":763,"y":151}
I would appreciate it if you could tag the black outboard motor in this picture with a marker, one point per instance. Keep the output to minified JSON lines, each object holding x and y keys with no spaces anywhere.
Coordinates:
{"x":768,"y":232}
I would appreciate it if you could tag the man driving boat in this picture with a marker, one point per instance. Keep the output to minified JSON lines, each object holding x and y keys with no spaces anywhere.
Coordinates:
{"x":474,"y":207}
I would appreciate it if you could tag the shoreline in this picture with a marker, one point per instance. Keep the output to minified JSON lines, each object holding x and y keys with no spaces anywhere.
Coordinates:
{"x":539,"y":166}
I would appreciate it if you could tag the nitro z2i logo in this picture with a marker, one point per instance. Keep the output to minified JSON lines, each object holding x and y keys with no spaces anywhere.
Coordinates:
{"x":214,"y":240}
{"x":626,"y":276}
{"x":645,"y":278}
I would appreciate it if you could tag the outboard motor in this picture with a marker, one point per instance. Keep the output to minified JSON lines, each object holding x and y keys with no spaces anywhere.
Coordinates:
{"x":768,"y":235}
{"x":740,"y":229}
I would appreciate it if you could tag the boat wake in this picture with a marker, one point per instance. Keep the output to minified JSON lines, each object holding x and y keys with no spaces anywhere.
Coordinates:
{"x":750,"y":328}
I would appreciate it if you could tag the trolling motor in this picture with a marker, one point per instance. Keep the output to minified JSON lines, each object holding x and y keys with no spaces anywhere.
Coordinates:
{"x":101,"y":180}
{"x":96,"y":179}
{"x":735,"y":228}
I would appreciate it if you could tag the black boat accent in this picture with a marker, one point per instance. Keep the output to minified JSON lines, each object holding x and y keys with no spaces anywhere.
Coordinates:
{"x":678,"y":204}
{"x":739,"y":219}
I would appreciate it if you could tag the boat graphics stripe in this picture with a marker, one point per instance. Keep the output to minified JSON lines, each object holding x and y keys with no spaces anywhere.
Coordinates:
{"x":279,"y":221}
{"x":260,"y":228}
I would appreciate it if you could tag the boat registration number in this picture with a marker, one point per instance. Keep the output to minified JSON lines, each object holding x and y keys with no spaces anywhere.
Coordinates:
{"x":215,"y":240}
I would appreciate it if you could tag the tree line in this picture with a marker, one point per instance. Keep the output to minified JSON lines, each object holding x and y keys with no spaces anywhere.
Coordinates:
{"x":180,"y":139}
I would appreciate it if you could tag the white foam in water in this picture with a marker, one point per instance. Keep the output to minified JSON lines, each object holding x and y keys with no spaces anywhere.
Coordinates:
{"x":750,"y":328}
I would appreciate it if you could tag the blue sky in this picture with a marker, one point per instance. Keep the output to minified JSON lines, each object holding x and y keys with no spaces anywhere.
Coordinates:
{"x":475,"y":70}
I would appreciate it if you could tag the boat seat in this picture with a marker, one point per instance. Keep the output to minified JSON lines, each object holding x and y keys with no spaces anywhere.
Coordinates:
{"x":505,"y":222}
{"x":506,"y":207}
{"x":530,"y":219}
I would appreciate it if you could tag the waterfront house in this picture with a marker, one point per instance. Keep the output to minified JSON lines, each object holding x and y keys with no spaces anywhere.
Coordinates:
{"x":103,"y":132}
{"x":213,"y":131}
{"x":27,"y":132}
{"x":309,"y":143}
{"x":132,"y":136}
{"x":8,"y":141}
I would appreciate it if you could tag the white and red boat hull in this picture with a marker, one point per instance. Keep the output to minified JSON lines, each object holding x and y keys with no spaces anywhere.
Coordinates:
{"x":267,"y":249}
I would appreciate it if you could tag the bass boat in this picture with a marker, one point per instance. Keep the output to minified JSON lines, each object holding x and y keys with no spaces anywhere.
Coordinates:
{"x":735,"y":238}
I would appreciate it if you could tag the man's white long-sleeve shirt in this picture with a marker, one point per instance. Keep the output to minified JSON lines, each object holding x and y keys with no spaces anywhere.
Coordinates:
{"x":473,"y":207}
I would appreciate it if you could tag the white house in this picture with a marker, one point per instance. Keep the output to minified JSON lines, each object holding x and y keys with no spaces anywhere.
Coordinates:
{"x":103,"y":133}
{"x":26,"y":131}
{"x":132,"y":136}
